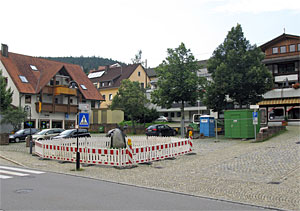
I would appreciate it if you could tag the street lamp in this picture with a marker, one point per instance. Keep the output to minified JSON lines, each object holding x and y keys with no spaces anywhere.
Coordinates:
{"x":27,"y":109}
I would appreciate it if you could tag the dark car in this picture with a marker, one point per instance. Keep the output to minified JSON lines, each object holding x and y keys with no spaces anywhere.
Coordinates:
{"x":22,"y":134}
{"x":72,"y":133}
{"x":160,"y":130}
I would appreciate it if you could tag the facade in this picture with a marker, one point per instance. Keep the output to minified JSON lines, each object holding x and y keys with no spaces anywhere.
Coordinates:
{"x":174,"y":113}
{"x":52,"y":90}
{"x":282,"y":58}
{"x":108,"y":81}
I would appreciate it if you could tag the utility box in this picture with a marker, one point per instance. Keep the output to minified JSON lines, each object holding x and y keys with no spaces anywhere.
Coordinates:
{"x":207,"y":125}
{"x":239,"y":123}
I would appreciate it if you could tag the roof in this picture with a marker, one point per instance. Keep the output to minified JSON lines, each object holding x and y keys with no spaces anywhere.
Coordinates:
{"x":116,"y":74}
{"x":277,"y":39}
{"x":19,"y":65}
{"x":151,"y":72}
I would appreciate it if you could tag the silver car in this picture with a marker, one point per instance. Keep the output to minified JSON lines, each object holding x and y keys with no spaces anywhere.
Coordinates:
{"x":47,"y":134}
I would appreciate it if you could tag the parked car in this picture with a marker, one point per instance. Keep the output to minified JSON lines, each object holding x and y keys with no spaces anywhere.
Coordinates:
{"x":47,"y":134}
{"x":72,"y":133}
{"x":20,"y":135}
{"x":162,"y":119}
{"x":160,"y":130}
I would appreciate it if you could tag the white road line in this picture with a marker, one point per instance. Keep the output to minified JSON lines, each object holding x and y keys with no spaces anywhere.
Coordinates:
{"x":4,"y":177}
{"x":21,"y":170}
{"x":13,"y":173}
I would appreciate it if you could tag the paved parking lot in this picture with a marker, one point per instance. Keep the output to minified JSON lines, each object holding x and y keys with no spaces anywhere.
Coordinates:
{"x":265,"y":174}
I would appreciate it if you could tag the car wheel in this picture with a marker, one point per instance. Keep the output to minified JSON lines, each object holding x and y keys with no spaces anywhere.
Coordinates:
{"x":160,"y":134}
{"x":17,"y":140}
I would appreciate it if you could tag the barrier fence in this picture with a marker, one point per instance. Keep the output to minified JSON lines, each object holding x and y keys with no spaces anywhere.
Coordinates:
{"x":97,"y":150}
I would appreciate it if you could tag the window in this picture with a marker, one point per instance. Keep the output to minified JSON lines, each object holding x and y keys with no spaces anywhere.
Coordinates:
{"x":139,"y":73}
{"x":142,"y":85}
{"x":110,"y":97}
{"x":33,"y":68}
{"x":293,"y":112}
{"x":283,"y":49}
{"x":109,"y":83}
{"x":292,"y":48}
{"x":83,"y":87}
{"x":172,"y":114}
{"x":102,"y":84}
{"x":103,"y":97}
{"x":71,"y":101}
{"x":286,"y":68}
{"x":23,"y":79}
{"x":298,"y":46}
{"x":27,"y":99}
{"x":276,"y":114}
{"x":275,"y":50}
{"x":178,"y":114}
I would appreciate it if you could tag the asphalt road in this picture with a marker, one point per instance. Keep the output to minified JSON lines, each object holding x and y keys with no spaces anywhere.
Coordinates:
{"x":51,"y":191}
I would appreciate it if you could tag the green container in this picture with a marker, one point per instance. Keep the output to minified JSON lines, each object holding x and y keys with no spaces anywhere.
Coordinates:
{"x":101,"y":129}
{"x":239,"y":123}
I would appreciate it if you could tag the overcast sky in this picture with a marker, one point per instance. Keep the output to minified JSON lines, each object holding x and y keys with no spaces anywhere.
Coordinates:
{"x":117,"y":29}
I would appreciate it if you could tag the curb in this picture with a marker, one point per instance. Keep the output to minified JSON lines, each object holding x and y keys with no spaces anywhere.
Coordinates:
{"x":13,"y":161}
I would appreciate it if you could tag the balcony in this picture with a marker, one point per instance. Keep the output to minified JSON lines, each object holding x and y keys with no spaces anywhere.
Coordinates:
{"x":64,"y":90}
{"x":48,"y":107}
{"x":282,"y":93}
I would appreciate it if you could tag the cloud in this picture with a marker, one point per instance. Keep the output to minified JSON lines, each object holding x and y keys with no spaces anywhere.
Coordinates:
{"x":257,"y":6}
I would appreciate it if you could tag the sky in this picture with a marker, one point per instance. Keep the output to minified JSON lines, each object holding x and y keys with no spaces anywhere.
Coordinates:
{"x":117,"y":29}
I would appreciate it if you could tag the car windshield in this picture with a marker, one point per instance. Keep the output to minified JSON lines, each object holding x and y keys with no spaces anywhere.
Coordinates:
{"x":42,"y":132}
{"x":66,"y":132}
{"x":20,"y":131}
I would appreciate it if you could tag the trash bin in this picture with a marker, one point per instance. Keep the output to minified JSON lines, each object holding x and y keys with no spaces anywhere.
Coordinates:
{"x":207,"y":126}
{"x":101,"y":129}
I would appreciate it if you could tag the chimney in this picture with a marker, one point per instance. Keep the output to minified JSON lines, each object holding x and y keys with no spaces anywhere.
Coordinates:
{"x":4,"y":50}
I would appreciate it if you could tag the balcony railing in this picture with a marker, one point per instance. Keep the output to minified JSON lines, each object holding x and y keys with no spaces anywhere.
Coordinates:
{"x":59,"y":90}
{"x":48,"y":107}
{"x":64,"y":90}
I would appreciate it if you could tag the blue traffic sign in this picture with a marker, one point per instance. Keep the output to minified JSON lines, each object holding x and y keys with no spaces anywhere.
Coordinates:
{"x":254,"y":114}
{"x":84,"y":120}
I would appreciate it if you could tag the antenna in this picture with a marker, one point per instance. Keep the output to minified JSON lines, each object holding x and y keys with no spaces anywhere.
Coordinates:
{"x":283,"y":30}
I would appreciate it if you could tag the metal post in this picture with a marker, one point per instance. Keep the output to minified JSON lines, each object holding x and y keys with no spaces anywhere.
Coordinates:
{"x":217,"y":129}
{"x":30,"y":137}
{"x":77,"y":151}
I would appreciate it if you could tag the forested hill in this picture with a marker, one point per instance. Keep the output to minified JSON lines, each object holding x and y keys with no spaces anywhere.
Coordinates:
{"x":88,"y":63}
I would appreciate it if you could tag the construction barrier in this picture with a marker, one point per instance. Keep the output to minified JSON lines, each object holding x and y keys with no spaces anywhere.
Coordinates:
{"x":97,"y":150}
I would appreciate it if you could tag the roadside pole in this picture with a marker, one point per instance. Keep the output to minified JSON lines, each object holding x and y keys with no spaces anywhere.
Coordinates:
{"x":255,"y":117}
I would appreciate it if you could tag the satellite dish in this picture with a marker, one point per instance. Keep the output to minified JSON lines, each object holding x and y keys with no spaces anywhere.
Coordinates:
{"x":73,"y":85}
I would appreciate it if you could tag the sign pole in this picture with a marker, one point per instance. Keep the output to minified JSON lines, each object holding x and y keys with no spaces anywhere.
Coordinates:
{"x":77,"y":151}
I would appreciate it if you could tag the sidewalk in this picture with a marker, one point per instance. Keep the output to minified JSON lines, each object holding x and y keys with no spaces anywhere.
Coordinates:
{"x":264,"y":174}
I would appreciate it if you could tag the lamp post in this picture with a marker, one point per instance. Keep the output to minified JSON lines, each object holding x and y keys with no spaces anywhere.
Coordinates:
{"x":27,"y":109}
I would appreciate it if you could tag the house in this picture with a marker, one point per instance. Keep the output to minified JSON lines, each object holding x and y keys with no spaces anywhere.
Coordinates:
{"x":282,"y":58}
{"x":51,"y":90}
{"x":109,"y":80}
{"x":174,"y":113}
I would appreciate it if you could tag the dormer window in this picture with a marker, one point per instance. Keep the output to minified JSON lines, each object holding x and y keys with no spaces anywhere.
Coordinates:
{"x":109,"y":83}
{"x":33,"y":67}
{"x":23,"y":79}
{"x":83,"y":87}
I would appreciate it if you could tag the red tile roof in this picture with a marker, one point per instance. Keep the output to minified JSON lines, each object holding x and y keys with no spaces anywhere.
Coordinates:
{"x":17,"y":64}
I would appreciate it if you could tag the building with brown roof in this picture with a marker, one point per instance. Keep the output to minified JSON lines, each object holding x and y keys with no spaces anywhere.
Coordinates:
{"x":282,"y":58}
{"x":52,"y":89}
{"x":109,"y":80}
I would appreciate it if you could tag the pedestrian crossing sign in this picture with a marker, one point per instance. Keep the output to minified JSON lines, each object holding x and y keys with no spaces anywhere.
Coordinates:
{"x":84,"y":120}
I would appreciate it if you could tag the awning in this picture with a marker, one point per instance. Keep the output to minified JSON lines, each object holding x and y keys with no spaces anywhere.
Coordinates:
{"x":280,"y":101}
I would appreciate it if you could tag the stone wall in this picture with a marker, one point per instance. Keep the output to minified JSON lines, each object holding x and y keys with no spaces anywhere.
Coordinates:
{"x":268,"y":132}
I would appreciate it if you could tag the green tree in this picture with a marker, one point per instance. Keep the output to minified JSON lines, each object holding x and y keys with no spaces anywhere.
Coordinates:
{"x":177,"y":80}
{"x":5,"y":94}
{"x":131,"y":99}
{"x":14,"y":116}
{"x":237,"y":72}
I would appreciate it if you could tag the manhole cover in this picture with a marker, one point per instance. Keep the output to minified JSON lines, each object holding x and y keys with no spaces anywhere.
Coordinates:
{"x":158,"y":167}
{"x":274,"y":183}
{"x":24,"y":190}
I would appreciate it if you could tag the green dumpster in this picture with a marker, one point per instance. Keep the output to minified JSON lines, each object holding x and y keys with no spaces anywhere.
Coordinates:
{"x":101,"y":129}
{"x":239,"y":123}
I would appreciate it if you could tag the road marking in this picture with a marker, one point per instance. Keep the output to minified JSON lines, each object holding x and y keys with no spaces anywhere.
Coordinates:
{"x":21,"y":170}
{"x":13,"y":173}
{"x":4,"y":177}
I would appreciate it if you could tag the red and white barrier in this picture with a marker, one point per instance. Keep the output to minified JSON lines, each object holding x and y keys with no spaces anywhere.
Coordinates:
{"x":98,"y":151}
